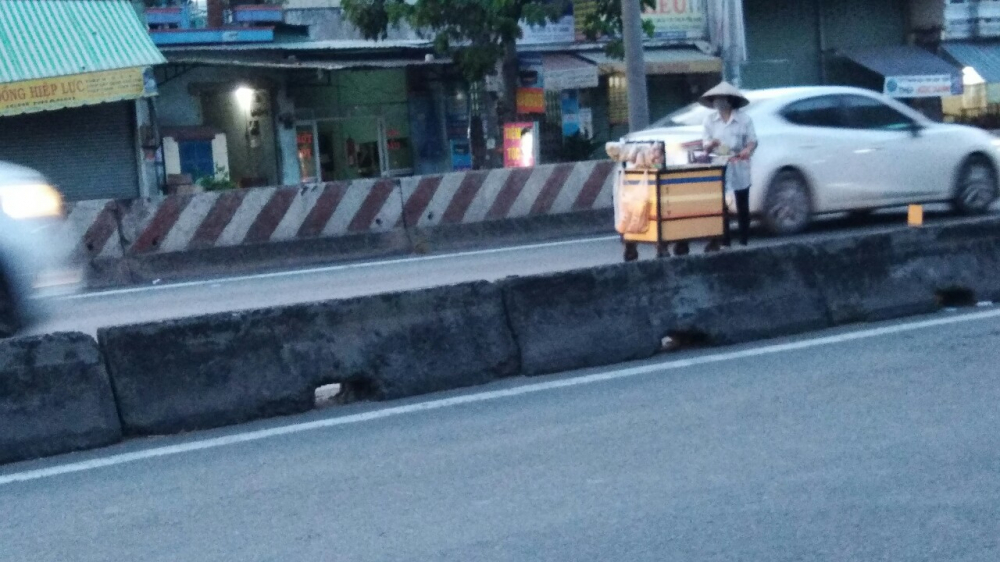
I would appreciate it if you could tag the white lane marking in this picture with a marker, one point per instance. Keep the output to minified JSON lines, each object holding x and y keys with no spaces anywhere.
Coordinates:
{"x":333,"y":268}
{"x":487,"y":396}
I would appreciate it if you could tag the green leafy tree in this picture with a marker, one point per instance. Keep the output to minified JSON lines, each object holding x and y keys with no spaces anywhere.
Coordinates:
{"x":481,"y":34}
{"x":478,"y":34}
{"x":602,"y":20}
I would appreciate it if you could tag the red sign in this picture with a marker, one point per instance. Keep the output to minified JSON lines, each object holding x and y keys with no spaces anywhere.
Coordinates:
{"x":519,"y":145}
{"x":530,"y":100}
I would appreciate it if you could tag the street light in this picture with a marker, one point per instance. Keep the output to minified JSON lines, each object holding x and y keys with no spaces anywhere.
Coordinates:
{"x":244,"y":97}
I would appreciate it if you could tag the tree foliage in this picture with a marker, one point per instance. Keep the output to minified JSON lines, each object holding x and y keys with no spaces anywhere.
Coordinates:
{"x":602,"y":19}
{"x":474,"y":32}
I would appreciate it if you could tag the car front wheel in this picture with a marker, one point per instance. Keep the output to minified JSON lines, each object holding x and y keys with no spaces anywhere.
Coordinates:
{"x":786,"y":207}
{"x":977,"y":186}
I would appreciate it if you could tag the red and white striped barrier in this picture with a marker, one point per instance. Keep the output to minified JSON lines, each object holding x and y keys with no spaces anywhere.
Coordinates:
{"x":471,"y":197}
{"x":178,"y":223}
{"x":90,"y":231}
{"x":261,"y":216}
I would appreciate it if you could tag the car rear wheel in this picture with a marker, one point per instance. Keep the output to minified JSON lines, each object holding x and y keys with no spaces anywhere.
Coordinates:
{"x":786,"y":207}
{"x":977,"y":186}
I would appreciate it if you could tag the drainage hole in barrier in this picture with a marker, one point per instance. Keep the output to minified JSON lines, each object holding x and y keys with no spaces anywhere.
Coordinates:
{"x":679,"y":340}
{"x":345,"y":392}
{"x":955,"y":297}
{"x":326,"y":395}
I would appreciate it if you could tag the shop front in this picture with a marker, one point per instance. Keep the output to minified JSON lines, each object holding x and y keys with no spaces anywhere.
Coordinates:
{"x":224,"y":125}
{"x":354,"y":124}
{"x":966,"y":34}
{"x":907,"y":73}
{"x":980,"y":103}
{"x":80,"y":116}
{"x":675,"y":77}
{"x":554,"y":98}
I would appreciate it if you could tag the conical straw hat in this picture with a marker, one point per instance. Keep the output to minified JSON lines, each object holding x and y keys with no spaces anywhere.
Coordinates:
{"x":724,"y":89}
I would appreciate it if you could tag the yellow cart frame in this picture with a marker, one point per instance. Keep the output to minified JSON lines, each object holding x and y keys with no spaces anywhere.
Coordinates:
{"x":684,"y":203}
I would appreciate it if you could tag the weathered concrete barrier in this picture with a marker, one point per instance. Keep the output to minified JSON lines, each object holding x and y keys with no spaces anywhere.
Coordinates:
{"x":612,"y":314}
{"x":91,"y":235}
{"x":908,"y":271}
{"x":228,"y":368}
{"x":733,"y":297}
{"x":579,"y":319}
{"x":241,"y":217}
{"x":249,"y":229}
{"x":491,"y":195}
{"x":55,"y":397}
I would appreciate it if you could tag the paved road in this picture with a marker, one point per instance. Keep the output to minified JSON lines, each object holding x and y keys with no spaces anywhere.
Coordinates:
{"x":872,"y":444}
{"x":90,"y":311}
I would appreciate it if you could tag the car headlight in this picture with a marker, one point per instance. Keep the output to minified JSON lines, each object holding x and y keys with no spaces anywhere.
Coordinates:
{"x":30,"y":201}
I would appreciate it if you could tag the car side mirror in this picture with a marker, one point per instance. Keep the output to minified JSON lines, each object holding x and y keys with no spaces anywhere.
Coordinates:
{"x":915,"y":129}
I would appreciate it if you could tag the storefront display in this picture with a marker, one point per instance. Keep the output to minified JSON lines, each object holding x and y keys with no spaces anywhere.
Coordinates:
{"x":520,"y":146}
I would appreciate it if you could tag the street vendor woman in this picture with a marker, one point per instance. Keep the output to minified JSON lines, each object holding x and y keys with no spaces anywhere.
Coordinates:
{"x":729,"y":134}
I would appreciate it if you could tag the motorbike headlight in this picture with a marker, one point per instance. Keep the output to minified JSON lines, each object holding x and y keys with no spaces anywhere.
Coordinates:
{"x":31,"y":201}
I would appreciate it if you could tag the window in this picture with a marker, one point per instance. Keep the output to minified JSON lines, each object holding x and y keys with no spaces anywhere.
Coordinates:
{"x":863,"y":112}
{"x":823,"y":111}
{"x":196,"y":158}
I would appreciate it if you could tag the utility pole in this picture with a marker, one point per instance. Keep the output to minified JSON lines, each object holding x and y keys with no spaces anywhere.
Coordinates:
{"x":635,"y":66}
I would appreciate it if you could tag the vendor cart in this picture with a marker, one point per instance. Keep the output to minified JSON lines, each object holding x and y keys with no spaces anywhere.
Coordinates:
{"x":662,"y":204}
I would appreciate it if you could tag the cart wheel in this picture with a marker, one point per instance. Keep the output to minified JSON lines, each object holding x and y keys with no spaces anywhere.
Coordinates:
{"x":631,"y":251}
{"x":663,"y":250}
{"x":682,"y":248}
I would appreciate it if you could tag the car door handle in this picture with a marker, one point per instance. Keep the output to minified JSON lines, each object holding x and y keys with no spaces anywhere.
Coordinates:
{"x":868,"y":150}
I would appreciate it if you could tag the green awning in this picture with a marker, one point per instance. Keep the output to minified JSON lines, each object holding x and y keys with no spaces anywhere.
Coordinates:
{"x":47,"y":39}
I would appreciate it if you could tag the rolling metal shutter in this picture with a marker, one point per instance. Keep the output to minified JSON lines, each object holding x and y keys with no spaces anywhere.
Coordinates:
{"x":87,"y":152}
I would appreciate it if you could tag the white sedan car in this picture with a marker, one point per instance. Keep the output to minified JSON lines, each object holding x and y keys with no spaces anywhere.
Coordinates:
{"x":840,"y":149}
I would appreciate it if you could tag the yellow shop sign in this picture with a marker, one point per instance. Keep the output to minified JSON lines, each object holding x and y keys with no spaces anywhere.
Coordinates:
{"x":46,"y":94}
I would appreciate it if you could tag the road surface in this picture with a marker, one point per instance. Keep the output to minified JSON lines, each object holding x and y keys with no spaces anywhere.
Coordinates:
{"x":873,"y":443}
{"x":88,"y":312}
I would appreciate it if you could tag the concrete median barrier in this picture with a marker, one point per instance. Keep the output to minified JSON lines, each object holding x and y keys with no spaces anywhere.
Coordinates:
{"x":55,"y":397}
{"x":734,"y":296}
{"x":504,"y":206}
{"x":404,"y":344}
{"x":619,"y":313}
{"x":579,"y":319}
{"x":908,"y":271}
{"x":201,"y":372}
{"x":242,"y":231}
{"x":233,"y":232}
{"x":222,"y":369}
{"x":228,"y":368}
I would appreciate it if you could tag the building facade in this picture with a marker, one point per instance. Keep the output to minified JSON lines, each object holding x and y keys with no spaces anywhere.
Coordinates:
{"x":75,"y":98}
{"x":966,"y":33}
{"x":325,"y":105}
{"x":876,"y":44}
